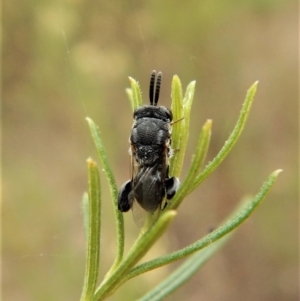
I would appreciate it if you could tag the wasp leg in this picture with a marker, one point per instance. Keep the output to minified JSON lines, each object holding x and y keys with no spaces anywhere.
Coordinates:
{"x":125,"y":197}
{"x":172,"y":185}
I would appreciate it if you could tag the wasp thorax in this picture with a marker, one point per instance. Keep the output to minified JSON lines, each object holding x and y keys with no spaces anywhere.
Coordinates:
{"x":147,"y":155}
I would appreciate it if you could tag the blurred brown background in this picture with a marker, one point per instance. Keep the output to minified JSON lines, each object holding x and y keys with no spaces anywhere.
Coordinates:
{"x":65,"y":60}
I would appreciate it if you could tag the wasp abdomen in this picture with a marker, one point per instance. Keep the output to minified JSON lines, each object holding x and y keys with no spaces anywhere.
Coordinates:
{"x":149,"y":189}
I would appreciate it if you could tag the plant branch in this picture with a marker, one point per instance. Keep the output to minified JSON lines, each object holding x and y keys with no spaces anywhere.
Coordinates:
{"x":211,"y":237}
{"x":138,"y":250}
{"x":182,"y":274}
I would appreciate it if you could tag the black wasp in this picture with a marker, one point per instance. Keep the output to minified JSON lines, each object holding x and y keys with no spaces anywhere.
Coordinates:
{"x":150,"y":150}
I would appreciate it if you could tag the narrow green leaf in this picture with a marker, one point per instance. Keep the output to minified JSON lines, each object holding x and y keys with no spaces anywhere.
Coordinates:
{"x":187,"y":106}
{"x":136,"y":94}
{"x":138,"y":250}
{"x":85,"y":211}
{"x":182,"y":274}
{"x":93,"y":239}
{"x":201,"y":151}
{"x":178,"y":126}
{"x":113,"y":189}
{"x":190,"y":266}
{"x":130,"y":97}
{"x":177,"y":98}
{"x":189,"y":97}
{"x":181,"y":109}
{"x":211,"y":237}
{"x":211,"y":166}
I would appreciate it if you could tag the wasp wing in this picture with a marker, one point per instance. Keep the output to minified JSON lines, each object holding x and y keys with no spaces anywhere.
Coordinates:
{"x":148,"y":191}
{"x":149,"y":188}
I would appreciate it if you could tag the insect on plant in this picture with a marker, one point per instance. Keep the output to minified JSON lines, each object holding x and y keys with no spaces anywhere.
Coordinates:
{"x":150,"y":150}
{"x":150,"y":188}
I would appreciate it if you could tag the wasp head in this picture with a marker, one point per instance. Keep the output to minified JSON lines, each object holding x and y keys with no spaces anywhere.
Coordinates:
{"x":152,"y":110}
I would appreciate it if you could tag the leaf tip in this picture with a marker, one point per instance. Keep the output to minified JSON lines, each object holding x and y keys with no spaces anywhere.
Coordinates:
{"x":90,"y":121}
{"x":176,"y":81}
{"x":169,"y":215}
{"x":254,"y":86}
{"x":208,"y":124}
{"x":90,"y":162}
{"x":277,"y":172}
{"x":192,"y":84}
{"x":133,"y":81}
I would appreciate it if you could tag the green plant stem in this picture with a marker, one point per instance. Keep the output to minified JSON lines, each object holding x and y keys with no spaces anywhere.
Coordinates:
{"x":113,"y":191}
{"x":93,"y":237}
{"x":211,"y":237}
{"x":138,"y":250}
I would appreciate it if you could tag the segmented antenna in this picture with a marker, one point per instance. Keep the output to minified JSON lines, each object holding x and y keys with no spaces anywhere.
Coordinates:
{"x":157,"y":88}
{"x":151,"y":89}
{"x":153,"y":101}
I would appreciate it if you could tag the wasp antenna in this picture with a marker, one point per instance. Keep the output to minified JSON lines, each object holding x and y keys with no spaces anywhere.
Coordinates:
{"x":157,"y":88}
{"x":151,"y":88}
